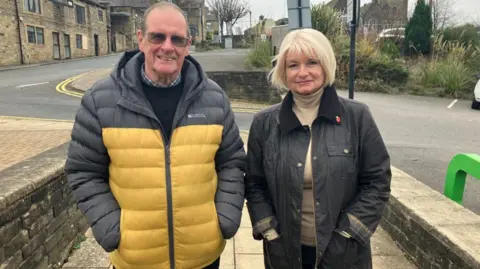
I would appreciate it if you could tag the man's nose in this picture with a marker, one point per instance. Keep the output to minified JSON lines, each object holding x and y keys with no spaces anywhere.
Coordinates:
{"x":167,"y":45}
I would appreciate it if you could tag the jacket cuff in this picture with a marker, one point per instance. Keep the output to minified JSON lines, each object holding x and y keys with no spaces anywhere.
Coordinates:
{"x":264,"y":225}
{"x":358,"y":230}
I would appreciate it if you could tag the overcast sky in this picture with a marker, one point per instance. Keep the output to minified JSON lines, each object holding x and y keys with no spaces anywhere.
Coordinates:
{"x":465,"y":10}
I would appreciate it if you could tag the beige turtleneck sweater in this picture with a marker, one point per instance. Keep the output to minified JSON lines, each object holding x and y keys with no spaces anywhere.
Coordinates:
{"x":306,"y":110}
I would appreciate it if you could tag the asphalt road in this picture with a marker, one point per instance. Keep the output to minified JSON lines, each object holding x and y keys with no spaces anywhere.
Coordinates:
{"x":421,"y":133}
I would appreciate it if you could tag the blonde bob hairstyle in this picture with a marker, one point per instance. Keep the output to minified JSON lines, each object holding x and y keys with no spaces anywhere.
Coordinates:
{"x":314,"y":45}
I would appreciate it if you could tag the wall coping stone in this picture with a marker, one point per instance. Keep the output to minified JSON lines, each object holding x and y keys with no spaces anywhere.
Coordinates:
{"x":446,"y":234}
{"x":21,"y":179}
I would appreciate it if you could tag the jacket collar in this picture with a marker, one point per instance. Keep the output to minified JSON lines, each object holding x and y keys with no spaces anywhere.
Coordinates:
{"x":329,"y":109}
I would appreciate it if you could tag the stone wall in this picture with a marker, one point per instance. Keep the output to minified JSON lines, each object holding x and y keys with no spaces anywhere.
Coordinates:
{"x":432,"y":230}
{"x":246,"y":85}
{"x":9,"y":42}
{"x":59,"y":19}
{"x":39,"y":220}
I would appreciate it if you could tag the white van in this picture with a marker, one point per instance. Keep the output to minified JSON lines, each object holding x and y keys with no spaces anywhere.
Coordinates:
{"x":476,"y":95}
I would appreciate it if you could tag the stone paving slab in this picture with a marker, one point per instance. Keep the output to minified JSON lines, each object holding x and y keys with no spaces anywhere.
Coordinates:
{"x":243,"y":252}
{"x":22,"y":138}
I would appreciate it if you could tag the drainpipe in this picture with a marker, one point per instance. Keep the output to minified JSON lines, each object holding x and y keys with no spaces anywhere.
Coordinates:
{"x":19,"y":31}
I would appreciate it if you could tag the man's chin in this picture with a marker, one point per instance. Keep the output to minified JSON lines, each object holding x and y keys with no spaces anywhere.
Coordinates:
{"x":165,"y":69}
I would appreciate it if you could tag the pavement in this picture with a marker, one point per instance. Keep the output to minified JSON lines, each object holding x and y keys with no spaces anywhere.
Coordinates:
{"x":22,"y":138}
{"x":242,"y":252}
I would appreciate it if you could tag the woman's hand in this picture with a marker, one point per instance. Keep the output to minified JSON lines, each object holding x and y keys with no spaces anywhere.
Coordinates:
{"x":341,"y":253}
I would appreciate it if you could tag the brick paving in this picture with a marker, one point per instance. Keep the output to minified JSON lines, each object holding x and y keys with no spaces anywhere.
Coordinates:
{"x":22,"y":138}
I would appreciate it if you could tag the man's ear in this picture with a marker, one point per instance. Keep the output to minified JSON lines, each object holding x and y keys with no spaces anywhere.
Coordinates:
{"x":187,"y":51}
{"x":140,"y":39}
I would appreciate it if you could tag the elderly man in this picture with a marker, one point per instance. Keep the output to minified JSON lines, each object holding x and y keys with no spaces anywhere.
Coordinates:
{"x":156,"y":162}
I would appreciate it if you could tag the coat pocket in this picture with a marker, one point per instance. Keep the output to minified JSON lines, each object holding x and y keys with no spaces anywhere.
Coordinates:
{"x":342,"y":160}
{"x":340,"y":253}
{"x":275,"y":253}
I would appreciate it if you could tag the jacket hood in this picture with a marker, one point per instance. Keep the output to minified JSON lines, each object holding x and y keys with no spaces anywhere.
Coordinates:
{"x":128,"y":74}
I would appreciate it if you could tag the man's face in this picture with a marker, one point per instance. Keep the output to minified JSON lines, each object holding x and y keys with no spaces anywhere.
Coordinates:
{"x":164,"y":43}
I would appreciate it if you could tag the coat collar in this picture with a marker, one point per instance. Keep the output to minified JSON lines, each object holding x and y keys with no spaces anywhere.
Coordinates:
{"x":329,"y":109}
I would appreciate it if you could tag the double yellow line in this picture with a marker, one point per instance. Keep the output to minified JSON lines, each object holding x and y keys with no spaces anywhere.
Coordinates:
{"x":62,"y":86}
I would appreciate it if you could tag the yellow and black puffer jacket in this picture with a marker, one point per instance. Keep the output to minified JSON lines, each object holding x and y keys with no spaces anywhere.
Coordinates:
{"x":153,"y":202}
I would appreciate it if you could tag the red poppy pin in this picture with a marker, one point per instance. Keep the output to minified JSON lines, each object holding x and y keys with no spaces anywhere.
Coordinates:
{"x":338,"y":119}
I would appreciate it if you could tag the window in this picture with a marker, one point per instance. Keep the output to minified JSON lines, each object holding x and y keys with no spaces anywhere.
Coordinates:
{"x":80,"y":14}
{"x":100,"y":15}
{"x":31,"y":34}
{"x":32,"y":6}
{"x":78,"y":39}
{"x":40,"y":35}
{"x":35,"y":35}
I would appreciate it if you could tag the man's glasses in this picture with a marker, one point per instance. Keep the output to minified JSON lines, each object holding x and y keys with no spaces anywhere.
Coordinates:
{"x":159,"y":38}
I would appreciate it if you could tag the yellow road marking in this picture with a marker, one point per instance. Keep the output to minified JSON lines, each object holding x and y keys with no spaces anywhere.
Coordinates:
{"x":61,"y":87}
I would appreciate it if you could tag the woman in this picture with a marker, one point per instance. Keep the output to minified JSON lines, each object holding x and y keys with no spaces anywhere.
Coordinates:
{"x":318,"y":174}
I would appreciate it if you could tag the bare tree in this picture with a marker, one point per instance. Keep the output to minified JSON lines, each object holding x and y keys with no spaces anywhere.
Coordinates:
{"x":229,"y":11}
{"x":442,"y":13}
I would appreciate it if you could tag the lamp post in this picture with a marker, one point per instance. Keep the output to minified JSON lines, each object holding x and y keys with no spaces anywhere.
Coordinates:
{"x":353,"y":6}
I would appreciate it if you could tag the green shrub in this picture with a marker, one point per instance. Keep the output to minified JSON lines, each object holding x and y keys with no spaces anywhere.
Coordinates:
{"x":388,"y":70}
{"x":450,"y":74}
{"x":327,"y":20}
{"x":430,"y":74}
{"x":260,"y":56}
{"x":455,"y":75}
{"x":389,"y":48}
{"x":465,"y":34}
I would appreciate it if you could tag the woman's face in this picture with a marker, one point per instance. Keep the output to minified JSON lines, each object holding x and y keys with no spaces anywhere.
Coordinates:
{"x":304,"y":75}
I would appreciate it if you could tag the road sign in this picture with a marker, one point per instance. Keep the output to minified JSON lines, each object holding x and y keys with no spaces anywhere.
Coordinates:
{"x":299,"y":15}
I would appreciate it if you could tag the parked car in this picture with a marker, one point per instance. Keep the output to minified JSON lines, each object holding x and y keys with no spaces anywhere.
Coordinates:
{"x":394,"y":34}
{"x":476,"y":95}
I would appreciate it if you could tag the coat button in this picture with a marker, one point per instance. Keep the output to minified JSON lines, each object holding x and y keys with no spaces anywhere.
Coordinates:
{"x":314,"y":158}
{"x":299,"y":164}
{"x":317,"y":203}
{"x":345,"y":150}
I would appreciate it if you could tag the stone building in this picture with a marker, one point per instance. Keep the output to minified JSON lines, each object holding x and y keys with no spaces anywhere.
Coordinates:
{"x":35,"y":31}
{"x":126,"y":17}
{"x":378,"y":14}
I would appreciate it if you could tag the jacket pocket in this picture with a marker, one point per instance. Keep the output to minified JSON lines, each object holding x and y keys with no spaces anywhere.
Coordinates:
{"x":341,"y":253}
{"x":342,"y":160}
{"x":275,"y":252}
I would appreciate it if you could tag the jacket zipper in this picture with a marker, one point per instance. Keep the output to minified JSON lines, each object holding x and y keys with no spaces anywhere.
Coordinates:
{"x":168,"y":179}
{"x":313,"y":197}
